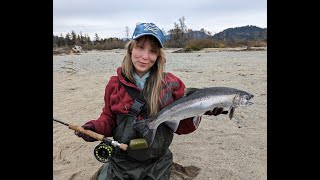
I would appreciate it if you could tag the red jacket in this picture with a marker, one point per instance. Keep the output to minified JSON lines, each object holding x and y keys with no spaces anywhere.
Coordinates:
{"x":117,"y":100}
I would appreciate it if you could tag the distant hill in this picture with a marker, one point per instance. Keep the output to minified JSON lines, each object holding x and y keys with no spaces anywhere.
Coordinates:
{"x":199,"y":35}
{"x":243,"y":33}
{"x":195,"y":35}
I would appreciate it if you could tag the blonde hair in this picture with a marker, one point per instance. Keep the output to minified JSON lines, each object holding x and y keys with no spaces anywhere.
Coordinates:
{"x":153,"y":86}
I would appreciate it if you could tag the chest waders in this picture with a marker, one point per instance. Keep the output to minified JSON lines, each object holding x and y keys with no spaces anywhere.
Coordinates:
{"x":151,"y":163}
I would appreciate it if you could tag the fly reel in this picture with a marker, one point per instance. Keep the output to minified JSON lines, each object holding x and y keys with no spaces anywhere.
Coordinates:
{"x":102,"y":151}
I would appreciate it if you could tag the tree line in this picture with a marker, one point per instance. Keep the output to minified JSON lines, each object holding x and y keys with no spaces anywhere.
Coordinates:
{"x":180,"y":36}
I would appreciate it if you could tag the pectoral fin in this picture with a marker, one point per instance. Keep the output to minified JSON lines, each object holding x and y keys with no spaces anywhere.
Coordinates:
{"x":231,"y":112}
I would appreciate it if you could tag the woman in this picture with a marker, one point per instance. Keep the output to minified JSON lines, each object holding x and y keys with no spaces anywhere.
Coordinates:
{"x":142,"y":71}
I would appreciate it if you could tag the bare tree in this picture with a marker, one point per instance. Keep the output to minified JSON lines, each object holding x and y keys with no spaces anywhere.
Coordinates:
{"x":183,"y":27}
{"x":127,"y":31}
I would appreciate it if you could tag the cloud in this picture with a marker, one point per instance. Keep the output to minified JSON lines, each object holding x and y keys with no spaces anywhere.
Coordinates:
{"x":109,"y":18}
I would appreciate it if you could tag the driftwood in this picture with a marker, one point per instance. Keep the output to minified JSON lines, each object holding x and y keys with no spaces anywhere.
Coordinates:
{"x":77,"y":49}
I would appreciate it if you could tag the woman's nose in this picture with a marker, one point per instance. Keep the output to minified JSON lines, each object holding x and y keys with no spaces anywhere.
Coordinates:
{"x":145,"y":54}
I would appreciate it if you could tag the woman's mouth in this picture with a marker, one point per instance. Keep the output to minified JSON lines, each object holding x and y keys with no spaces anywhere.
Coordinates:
{"x":142,"y":63}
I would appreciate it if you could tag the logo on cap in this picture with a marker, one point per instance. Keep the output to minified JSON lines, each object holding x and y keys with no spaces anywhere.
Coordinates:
{"x":151,"y":27}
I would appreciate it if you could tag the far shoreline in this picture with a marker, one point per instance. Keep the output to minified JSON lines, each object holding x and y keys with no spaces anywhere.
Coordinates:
{"x":57,"y":52}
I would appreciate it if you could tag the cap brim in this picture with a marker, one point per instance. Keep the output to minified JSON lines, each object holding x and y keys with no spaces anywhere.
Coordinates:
{"x":143,"y":34}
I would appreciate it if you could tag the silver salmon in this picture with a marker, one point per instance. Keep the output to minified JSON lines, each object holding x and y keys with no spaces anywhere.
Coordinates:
{"x":195,"y":103}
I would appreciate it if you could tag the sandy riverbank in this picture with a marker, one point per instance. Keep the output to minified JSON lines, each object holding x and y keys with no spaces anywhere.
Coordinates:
{"x":218,"y":147}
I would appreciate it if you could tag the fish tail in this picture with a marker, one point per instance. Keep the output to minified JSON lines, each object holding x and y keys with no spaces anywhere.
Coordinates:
{"x":142,"y":127}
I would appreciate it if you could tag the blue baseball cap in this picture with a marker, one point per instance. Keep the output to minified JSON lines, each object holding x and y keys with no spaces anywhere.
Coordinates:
{"x":143,"y":29}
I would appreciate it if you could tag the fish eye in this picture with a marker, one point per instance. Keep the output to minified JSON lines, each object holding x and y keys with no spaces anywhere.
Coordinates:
{"x":246,"y":97}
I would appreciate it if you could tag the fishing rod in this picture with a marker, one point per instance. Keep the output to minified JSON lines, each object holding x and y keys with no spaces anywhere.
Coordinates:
{"x":104,"y":150}
{"x":94,"y":135}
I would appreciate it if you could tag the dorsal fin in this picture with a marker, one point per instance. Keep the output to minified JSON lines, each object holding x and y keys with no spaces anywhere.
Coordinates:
{"x":188,"y":91}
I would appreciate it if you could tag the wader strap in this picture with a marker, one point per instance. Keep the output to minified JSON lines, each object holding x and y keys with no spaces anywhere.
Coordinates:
{"x":138,"y":106}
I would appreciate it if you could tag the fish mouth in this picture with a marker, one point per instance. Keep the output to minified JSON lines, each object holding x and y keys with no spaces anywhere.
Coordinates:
{"x":246,"y":100}
{"x":248,"y":103}
{"x":250,"y":97}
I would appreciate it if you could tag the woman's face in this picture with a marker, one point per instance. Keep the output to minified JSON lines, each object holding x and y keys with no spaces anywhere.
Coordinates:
{"x":143,"y":56}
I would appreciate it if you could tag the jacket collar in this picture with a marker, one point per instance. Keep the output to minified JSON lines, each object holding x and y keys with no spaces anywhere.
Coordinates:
{"x":124,"y":80}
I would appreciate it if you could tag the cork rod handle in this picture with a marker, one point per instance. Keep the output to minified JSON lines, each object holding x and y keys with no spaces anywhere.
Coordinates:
{"x":94,"y":135}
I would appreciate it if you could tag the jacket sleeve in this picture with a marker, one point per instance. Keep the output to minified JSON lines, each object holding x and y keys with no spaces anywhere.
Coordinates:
{"x":106,"y":122}
{"x":186,"y":126}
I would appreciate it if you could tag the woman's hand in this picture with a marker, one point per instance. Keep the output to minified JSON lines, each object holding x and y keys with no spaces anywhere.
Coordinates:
{"x":88,"y":126}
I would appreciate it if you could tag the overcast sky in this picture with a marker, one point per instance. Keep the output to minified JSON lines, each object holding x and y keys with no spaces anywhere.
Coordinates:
{"x":109,"y":18}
